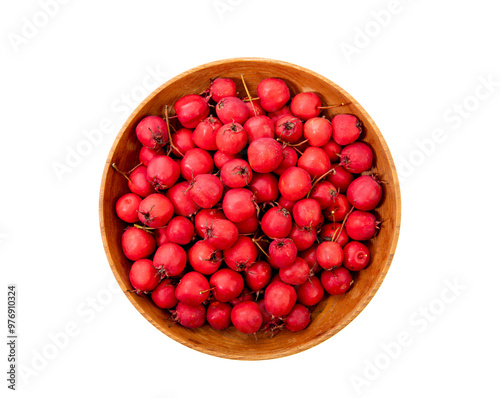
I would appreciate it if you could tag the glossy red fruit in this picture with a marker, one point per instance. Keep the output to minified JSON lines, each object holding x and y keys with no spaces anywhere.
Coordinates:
{"x":239,"y":204}
{"x":333,"y":150}
{"x":221,"y":158}
{"x":232,"y":110}
{"x":284,"y":111}
{"x":254,"y":107}
{"x":258,"y":275}
{"x":306,"y":105}
{"x":273,"y":94}
{"x":204,"y":258}
{"x":241,"y":255}
{"x":189,"y":316}
{"x":246,"y":295}
{"x":146,"y":154}
{"x":180,"y":230}
{"x":346,"y":128}
{"x":205,"y":132}
{"x":309,"y":255}
{"x":324,"y":193}
{"x":180,"y":197}
{"x":161,"y":236}
{"x":265,"y":155}
{"x":294,"y":183}
{"x":329,"y":255}
{"x":155,"y":210}
{"x":143,"y":276}
{"x":317,"y":131}
{"x":236,"y":173}
{"x":193,"y":289}
{"x":248,"y":226}
{"x":182,"y":141}
{"x":364,"y":193}
{"x":276,"y":222}
{"x":361,"y":225}
{"x":163,"y":172}
{"x":196,"y":161}
{"x":259,"y":127}
{"x":227,"y":284}
{"x":170,"y":260}
{"x":338,"y":210}
{"x":289,"y":129}
{"x":315,"y":161}
{"x":334,"y":232}
{"x":222,"y":234}
{"x":268,"y":321}
{"x":219,"y":315}
{"x":206,"y":190}
{"x":290,"y":158}
{"x":152,"y":132}
{"x":356,"y":256}
{"x":307,"y":213}
{"x":246,"y":317}
{"x":221,"y":88}
{"x":295,"y":274}
{"x":164,"y":294}
{"x":279,"y":298}
{"x":340,"y":177}
{"x":231,"y":138}
{"x":127,"y":207}
{"x":303,"y":238}
{"x":356,"y":157}
{"x":205,"y":218}
{"x":310,"y":292}
{"x":336,"y":281}
{"x":298,"y":318}
{"x":137,"y":243}
{"x":191,"y":110}
{"x":282,"y":252}
{"x":138,"y":182}
{"x":287,"y":204}
{"x":265,"y":187}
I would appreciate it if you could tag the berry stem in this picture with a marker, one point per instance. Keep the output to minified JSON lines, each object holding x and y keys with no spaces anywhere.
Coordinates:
{"x":208,"y":290}
{"x":292,"y":145}
{"x":113,"y":165}
{"x":248,"y":93}
{"x":133,"y":168}
{"x":334,"y":106}
{"x":144,"y":228}
{"x":172,"y":146}
{"x":260,"y":247}
{"x":318,"y":180}
{"x":343,"y":223}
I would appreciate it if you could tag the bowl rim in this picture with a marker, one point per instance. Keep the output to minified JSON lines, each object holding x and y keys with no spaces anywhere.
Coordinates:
{"x":358,"y":308}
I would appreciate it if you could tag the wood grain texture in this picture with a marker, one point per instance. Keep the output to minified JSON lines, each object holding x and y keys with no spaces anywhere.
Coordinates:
{"x":334,"y":312}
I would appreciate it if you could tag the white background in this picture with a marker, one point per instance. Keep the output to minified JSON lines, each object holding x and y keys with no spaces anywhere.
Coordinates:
{"x":73,"y":73}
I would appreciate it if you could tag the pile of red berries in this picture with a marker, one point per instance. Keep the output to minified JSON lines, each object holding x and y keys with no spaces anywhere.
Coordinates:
{"x":250,"y":209}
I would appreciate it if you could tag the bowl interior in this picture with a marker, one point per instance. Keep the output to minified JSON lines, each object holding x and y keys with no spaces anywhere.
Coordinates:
{"x":334,"y":312}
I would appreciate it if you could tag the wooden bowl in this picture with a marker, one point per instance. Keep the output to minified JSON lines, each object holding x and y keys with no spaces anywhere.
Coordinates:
{"x":334,"y":312}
